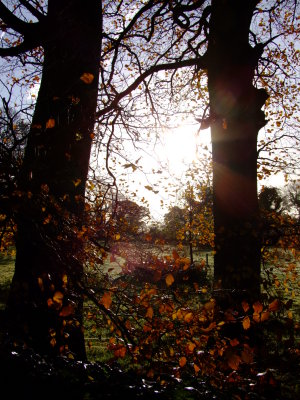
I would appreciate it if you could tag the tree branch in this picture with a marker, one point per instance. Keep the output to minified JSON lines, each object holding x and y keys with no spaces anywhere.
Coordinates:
{"x":24,"y":28}
{"x":200,"y":62}
{"x":17,"y":50}
{"x":32,"y":10}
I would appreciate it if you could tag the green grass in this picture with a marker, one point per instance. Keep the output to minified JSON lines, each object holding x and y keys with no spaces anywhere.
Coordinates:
{"x":7,"y":264}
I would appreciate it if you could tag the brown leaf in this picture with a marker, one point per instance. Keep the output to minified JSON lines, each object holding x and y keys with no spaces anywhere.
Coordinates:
{"x":106,"y":300}
{"x":234,"y":361}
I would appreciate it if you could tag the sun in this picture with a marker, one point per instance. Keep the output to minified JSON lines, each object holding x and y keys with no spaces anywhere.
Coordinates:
{"x":180,"y":146}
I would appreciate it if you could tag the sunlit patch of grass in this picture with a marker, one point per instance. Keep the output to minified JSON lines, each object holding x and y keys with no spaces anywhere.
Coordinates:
{"x":7,"y":264}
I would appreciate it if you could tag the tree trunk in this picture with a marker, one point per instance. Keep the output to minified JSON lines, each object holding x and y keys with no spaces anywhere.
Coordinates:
{"x":45,"y":307}
{"x":236,"y":119}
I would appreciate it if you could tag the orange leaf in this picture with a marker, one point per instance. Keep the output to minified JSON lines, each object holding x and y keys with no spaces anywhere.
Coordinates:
{"x":246,"y":323}
{"x":169,"y":279}
{"x":50,"y":123}
{"x":196,"y":368}
{"x":188,"y":317}
{"x":182,"y":361}
{"x":106,"y":300}
{"x":67,"y":310}
{"x":87,"y":78}
{"x":257,"y":307}
{"x":120,"y":352}
{"x":191,"y":347}
{"x":274,"y":306}
{"x":234,"y":361}
{"x":264,"y":316}
{"x":245,"y":306}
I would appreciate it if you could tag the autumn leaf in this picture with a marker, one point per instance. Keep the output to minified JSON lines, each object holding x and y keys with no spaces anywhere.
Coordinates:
{"x":118,"y":236}
{"x":191,"y":347}
{"x":170,"y":279}
{"x":245,"y":306}
{"x":50,"y":123}
{"x":196,"y":368}
{"x":257,"y":307}
{"x":182,"y":361}
{"x":264,"y":316}
{"x":234,"y":361}
{"x":58,"y":297}
{"x":120,"y":352}
{"x":234,"y":342}
{"x":76,"y":182}
{"x":188,"y":317}
{"x":274,"y":306}
{"x":175,"y":255}
{"x":87,"y":78}
{"x":40,"y":283}
{"x":106,"y":300}
{"x":149,"y":313}
{"x":67,"y":310}
{"x":246,"y":323}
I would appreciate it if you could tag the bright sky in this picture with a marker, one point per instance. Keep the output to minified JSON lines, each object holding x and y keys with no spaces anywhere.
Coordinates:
{"x":176,"y":152}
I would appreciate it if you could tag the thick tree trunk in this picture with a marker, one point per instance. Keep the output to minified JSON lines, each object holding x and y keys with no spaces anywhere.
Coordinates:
{"x":236,"y":119}
{"x":45,"y":307}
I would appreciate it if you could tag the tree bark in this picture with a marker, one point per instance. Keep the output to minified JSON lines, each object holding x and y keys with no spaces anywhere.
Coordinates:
{"x":236,"y":119}
{"x":45,"y":307}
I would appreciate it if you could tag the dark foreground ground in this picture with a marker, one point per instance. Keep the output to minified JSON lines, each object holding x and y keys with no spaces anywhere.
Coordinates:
{"x":26,"y":375}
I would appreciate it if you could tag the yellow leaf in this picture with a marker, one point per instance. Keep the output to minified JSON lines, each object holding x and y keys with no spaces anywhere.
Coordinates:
{"x":50,"y":123}
{"x":246,"y":323}
{"x":58,"y":297}
{"x":77,"y":182}
{"x":149,"y":313}
{"x":169,"y":279}
{"x":118,"y":236}
{"x":182,"y":362}
{"x":106,"y":300}
{"x":87,"y":78}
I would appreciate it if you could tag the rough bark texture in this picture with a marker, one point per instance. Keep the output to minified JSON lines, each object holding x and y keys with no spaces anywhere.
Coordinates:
{"x":236,"y":119}
{"x":45,"y":308}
